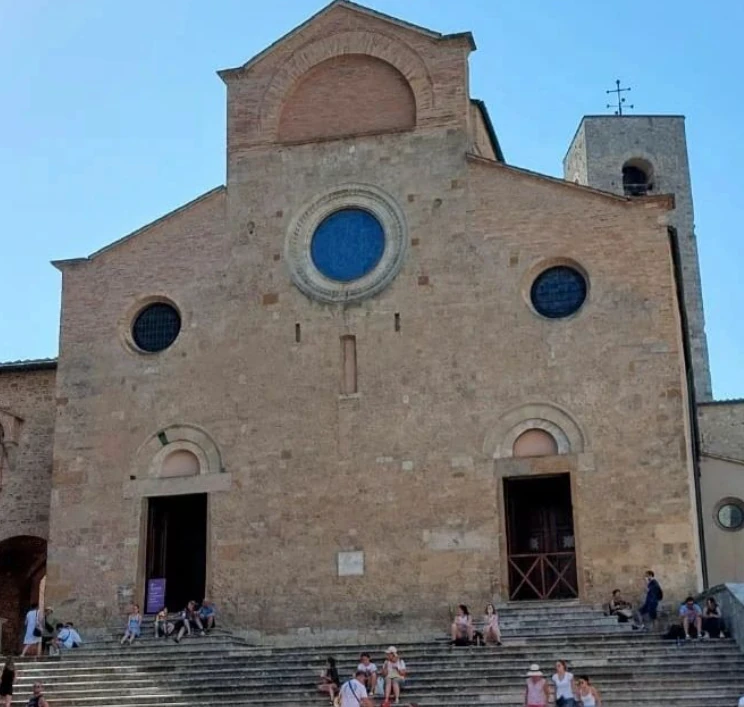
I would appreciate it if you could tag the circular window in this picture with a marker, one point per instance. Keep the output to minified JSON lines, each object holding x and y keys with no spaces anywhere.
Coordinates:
{"x":558,"y":292}
{"x":730,"y":514}
{"x":347,"y":245}
{"x":156,"y":327}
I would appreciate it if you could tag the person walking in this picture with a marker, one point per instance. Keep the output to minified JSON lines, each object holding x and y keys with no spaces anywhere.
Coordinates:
{"x":536,"y":693}
{"x":6,"y":682}
{"x":32,"y":639}
{"x":650,"y":607}
{"x":565,"y":688}
{"x":587,"y":693}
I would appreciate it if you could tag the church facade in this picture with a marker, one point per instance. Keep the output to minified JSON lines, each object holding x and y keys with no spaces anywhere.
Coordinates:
{"x":380,"y":370}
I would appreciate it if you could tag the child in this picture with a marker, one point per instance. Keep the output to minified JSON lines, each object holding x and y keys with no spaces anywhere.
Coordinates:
{"x":6,"y":682}
{"x":163,"y":627}
{"x":134,"y":624}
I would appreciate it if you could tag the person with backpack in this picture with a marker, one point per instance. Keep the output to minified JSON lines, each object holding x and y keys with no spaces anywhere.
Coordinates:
{"x":353,"y":693}
{"x":650,"y":607}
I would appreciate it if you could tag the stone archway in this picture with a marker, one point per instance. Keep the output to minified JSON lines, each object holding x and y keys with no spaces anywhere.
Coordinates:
{"x":22,"y":569}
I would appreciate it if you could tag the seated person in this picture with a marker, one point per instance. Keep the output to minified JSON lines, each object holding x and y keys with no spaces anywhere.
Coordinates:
{"x":207,"y":614}
{"x":188,"y":619}
{"x":712,"y":623}
{"x":462,"y":629}
{"x":330,"y":680}
{"x":369,"y":669}
{"x":353,"y":693}
{"x":67,"y":636}
{"x":395,"y":672}
{"x":620,"y":608}
{"x":163,"y":627}
{"x":692,"y":618}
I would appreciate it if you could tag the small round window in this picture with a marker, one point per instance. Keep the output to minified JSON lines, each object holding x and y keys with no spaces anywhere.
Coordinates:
{"x":156,"y":327}
{"x":730,"y":514}
{"x":558,"y":292}
{"x":347,"y":245}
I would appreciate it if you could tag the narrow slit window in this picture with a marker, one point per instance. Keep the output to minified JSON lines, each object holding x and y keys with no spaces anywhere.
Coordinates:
{"x":349,"y":358}
{"x":298,"y":333}
{"x":397,"y":321}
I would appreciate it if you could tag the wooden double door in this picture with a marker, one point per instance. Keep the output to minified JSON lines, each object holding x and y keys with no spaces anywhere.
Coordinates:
{"x":541,"y":543}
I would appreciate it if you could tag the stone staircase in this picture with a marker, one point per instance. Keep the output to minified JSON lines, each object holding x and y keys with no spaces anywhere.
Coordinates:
{"x":631,"y":669}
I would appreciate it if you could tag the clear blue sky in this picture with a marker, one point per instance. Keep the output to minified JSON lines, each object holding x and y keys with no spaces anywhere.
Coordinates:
{"x":112,"y":115}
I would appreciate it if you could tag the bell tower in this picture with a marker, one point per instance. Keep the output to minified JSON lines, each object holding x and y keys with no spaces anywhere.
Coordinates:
{"x":638,"y":155}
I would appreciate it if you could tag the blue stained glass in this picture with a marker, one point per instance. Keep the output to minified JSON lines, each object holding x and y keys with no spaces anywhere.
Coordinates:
{"x":558,"y":292}
{"x":347,"y":245}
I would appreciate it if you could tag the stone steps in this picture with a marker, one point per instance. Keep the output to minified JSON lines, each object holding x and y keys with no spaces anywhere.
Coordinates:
{"x":631,"y":669}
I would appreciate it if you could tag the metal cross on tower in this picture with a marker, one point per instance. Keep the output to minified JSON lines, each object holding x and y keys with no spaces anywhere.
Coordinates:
{"x":620,"y":100}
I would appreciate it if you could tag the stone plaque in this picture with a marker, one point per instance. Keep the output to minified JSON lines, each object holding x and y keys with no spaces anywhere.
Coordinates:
{"x":350,"y":564}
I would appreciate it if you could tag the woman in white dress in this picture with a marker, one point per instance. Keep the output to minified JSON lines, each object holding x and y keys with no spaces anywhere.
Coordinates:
{"x":34,"y":622}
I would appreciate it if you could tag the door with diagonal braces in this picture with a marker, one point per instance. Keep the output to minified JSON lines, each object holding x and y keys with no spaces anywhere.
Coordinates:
{"x":541,"y":544}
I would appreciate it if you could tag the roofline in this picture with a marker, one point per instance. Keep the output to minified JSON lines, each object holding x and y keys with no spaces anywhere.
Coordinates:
{"x":666,"y":199}
{"x":356,"y":7}
{"x":481,"y":105}
{"x":41,"y":364}
{"x":730,"y":401}
{"x":722,"y":458}
{"x":619,"y":117}
{"x":60,"y":264}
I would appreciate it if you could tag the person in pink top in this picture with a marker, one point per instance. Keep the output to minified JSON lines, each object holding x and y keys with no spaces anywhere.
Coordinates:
{"x":536,"y":693}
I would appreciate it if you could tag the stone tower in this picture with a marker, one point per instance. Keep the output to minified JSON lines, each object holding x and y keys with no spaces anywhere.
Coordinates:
{"x":647,"y":154}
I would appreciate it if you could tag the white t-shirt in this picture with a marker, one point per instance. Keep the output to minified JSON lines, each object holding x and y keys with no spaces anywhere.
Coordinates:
{"x":370,"y":668}
{"x":563,"y":687}
{"x":394,"y":668}
{"x":352,"y":693}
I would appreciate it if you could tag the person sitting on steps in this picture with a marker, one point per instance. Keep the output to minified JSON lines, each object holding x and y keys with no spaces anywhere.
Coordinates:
{"x":330,"y":680}
{"x":491,"y":629}
{"x":462,"y":629}
{"x":369,"y":669}
{"x":712,"y":623}
{"x":67,"y":636}
{"x":620,"y":608}
{"x":37,"y":697}
{"x":395,"y":672}
{"x":207,"y":614}
{"x":163,"y":627}
{"x":188,"y":619}
{"x":134,"y":625}
{"x":692,"y":618}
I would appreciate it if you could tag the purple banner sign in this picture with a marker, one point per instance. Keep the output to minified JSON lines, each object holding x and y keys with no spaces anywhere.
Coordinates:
{"x":155,"y":595}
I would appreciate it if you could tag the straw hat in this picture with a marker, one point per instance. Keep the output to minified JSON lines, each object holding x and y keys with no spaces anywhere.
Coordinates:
{"x":392,"y":650}
{"x":534,"y":671}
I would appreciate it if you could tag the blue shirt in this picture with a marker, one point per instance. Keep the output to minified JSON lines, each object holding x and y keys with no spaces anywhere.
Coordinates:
{"x":690,"y":612}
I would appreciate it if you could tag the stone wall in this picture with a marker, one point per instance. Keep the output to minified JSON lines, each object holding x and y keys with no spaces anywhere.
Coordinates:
{"x":27,"y":410}
{"x":382,"y":507}
{"x":722,"y":428}
{"x":602,"y":145}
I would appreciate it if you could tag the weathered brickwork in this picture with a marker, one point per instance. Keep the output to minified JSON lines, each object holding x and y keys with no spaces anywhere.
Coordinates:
{"x":27,"y":410}
{"x":601,"y":146}
{"x":722,"y":428}
{"x":450,"y":360}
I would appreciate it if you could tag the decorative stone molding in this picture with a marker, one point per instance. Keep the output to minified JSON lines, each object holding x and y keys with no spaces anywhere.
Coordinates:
{"x":306,"y":275}
{"x":569,"y":436}
{"x":375,"y":44}
{"x":151,"y":455}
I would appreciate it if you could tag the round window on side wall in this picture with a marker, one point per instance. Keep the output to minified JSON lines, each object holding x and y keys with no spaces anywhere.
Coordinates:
{"x":729,"y":514}
{"x":156,"y":327}
{"x":559,"y":291}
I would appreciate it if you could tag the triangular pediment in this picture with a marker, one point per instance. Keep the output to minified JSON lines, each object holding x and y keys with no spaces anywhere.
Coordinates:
{"x":338,"y":7}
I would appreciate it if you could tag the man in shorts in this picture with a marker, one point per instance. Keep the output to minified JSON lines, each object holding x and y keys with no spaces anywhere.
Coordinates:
{"x":692,"y":618}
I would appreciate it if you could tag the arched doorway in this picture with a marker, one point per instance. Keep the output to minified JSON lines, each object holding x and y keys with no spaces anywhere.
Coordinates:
{"x":22,"y":570}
